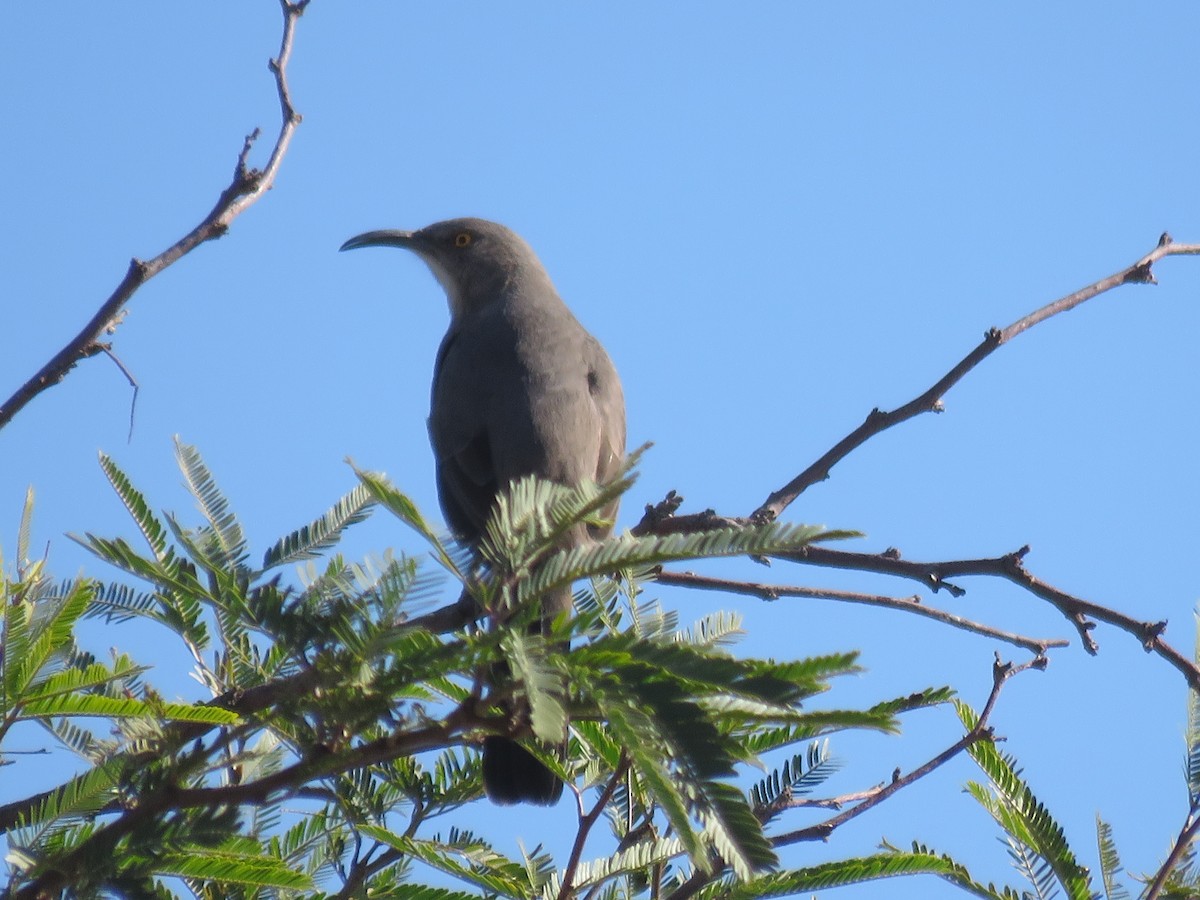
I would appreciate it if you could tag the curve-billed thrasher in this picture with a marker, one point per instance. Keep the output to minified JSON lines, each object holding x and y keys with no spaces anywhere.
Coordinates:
{"x":519,"y":388}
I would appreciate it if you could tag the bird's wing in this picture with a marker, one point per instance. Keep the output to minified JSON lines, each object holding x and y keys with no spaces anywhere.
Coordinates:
{"x":609,"y":400}
{"x":466,"y":476}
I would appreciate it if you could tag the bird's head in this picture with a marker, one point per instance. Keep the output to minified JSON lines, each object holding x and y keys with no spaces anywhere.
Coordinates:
{"x":473,"y":259}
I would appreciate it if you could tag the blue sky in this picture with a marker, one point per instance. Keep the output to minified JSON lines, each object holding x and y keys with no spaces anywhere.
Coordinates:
{"x":775,"y":216}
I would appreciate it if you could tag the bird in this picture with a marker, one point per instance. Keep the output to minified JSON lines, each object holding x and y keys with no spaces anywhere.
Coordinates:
{"x":519,"y":388}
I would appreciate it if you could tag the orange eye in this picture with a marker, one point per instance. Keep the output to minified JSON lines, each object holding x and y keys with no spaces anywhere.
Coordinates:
{"x":462,"y":239}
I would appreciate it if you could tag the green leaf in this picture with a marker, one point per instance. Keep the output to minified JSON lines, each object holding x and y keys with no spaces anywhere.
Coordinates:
{"x":98,"y":705}
{"x":319,"y":535}
{"x":404,"y":509}
{"x":225,"y":530}
{"x":37,"y":634}
{"x":538,"y":682}
{"x":1110,"y":862}
{"x":634,"y":860}
{"x":1035,"y":836}
{"x":152,"y":529}
{"x":25,"y":528}
{"x":481,"y":866}
{"x":616,"y":554}
{"x":853,"y":871}
{"x":233,"y":868}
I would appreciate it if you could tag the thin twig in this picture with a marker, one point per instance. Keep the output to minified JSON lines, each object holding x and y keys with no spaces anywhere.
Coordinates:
{"x":1187,"y":837}
{"x":931,"y":401}
{"x":107,"y":348}
{"x":586,"y":821}
{"x":913,"y":604}
{"x":246,"y":188}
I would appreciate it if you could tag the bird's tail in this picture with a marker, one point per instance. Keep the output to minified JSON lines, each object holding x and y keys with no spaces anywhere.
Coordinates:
{"x":511,"y":774}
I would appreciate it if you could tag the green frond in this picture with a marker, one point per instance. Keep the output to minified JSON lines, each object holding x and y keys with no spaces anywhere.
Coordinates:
{"x":468,"y":860}
{"x":25,"y":529}
{"x":1192,"y":763}
{"x":118,"y":602}
{"x":632,"y":861}
{"x":36,"y":633}
{"x":717,"y":629}
{"x":534,"y":513}
{"x":638,"y":733}
{"x":563,"y":567}
{"x":733,"y":831}
{"x":539,"y":865}
{"x":399,"y":505}
{"x":853,"y":871}
{"x":409,"y":891}
{"x":922,"y":699}
{"x":84,"y":795}
{"x":299,"y":841}
{"x":98,"y":705}
{"x":229,"y":542}
{"x":150,"y":527}
{"x":1110,"y":862}
{"x":14,"y":658}
{"x":798,"y":776}
{"x":82,"y":678}
{"x":232,"y":868}
{"x":322,"y":533}
{"x":1033,"y":868}
{"x":539,"y":683}
{"x":651,"y":621}
{"x":1030,"y":826}
{"x":80,"y":740}
{"x":179,"y":593}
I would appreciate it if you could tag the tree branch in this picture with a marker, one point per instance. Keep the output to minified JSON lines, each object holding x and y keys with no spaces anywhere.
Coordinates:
{"x":1187,"y":836}
{"x":246,"y":188}
{"x":1036,"y":646}
{"x":931,"y":401}
{"x":586,"y":821}
{"x":1011,"y":566}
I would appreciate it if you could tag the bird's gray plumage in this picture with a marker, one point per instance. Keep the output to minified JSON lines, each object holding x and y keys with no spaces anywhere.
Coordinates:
{"x":519,"y":388}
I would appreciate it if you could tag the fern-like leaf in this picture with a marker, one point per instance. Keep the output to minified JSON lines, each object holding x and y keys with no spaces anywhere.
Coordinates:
{"x":226,"y":867}
{"x":319,"y":535}
{"x":563,"y":567}
{"x":467,"y":859}
{"x":150,"y":527}
{"x":1030,"y":827}
{"x":897,"y":863}
{"x":1110,"y":862}
{"x":225,"y":529}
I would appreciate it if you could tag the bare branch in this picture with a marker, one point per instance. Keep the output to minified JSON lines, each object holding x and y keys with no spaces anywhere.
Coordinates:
{"x":246,"y":188}
{"x":1187,"y":837}
{"x":912,"y":604}
{"x":1082,"y":614}
{"x":931,"y":401}
{"x":586,"y":821}
{"x":982,"y":731}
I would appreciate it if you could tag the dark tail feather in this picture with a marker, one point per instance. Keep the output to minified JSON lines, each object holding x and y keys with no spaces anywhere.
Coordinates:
{"x":511,"y":774}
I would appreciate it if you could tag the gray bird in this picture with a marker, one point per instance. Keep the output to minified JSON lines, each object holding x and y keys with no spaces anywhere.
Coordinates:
{"x":519,"y":388}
